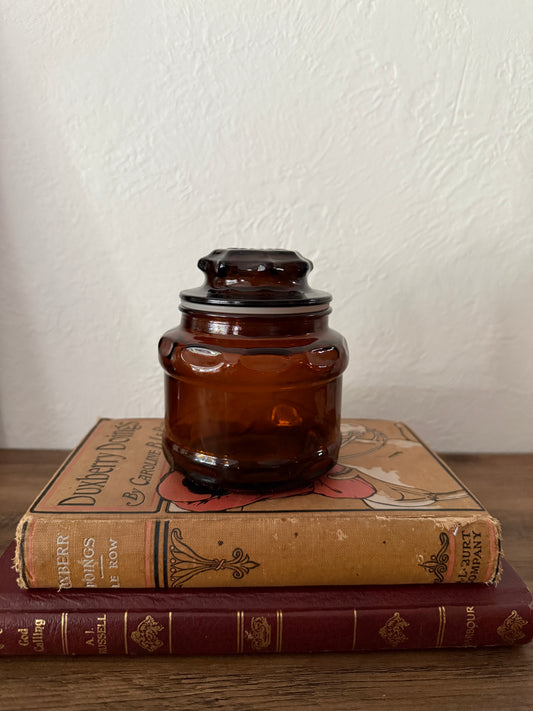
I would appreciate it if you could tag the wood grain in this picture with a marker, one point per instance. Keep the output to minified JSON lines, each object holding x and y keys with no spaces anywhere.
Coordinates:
{"x":440,"y":679}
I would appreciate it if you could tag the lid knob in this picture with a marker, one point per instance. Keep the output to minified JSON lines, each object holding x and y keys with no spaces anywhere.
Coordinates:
{"x":255,"y":278}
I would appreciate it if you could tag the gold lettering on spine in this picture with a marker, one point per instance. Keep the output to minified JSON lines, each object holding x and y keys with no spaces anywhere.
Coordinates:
{"x":240,"y":632}
{"x":170,"y":632}
{"x":101,"y":633}
{"x":126,"y":633}
{"x":37,"y":636}
{"x":442,"y":626}
{"x":471,"y":626}
{"x":279,"y":630}
{"x":354,"y":629}
{"x":64,"y":632}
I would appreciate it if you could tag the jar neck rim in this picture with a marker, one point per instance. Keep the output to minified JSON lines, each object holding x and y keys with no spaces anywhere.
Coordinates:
{"x":225,"y":310}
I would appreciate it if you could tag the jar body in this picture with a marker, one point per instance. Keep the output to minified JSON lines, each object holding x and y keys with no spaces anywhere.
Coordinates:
{"x":252,"y":402}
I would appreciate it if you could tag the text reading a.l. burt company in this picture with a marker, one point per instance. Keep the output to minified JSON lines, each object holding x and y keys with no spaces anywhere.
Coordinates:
{"x":471,"y":556}
{"x":95,"y":568}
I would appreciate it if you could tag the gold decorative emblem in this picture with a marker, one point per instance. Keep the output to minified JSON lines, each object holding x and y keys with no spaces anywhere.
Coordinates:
{"x":438,"y":564}
{"x":260,"y":632}
{"x":392,"y":630}
{"x":511,"y":628}
{"x":146,"y":634}
{"x":185,"y":563}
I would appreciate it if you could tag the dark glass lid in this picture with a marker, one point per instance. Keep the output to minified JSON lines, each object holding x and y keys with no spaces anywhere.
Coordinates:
{"x":255,"y":278}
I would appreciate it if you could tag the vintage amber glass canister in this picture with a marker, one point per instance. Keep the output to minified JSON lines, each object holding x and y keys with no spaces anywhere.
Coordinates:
{"x":253,"y":375}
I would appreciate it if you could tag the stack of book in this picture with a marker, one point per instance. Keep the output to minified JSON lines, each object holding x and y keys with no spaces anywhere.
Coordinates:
{"x":388,"y":550}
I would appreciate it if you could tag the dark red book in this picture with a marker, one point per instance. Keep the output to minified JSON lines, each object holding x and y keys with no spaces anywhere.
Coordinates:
{"x":249,"y":620}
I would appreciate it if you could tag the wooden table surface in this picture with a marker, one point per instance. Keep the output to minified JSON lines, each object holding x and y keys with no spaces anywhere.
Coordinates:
{"x":441,"y":679}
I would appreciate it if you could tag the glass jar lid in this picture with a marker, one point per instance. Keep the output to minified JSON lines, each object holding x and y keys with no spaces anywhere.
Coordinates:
{"x":255,"y":281}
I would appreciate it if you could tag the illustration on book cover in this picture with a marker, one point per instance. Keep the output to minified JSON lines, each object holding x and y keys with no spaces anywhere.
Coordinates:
{"x":368,"y":475}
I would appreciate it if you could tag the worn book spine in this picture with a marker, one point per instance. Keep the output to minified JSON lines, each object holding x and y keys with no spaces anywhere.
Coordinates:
{"x":275,"y":551}
{"x":232,"y":631}
{"x":389,"y":513}
{"x":250,"y":620}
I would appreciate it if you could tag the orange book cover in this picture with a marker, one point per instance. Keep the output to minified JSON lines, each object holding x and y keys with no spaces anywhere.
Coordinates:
{"x":390,"y":512}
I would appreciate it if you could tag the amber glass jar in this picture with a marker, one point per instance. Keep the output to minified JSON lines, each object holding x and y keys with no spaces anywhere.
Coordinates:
{"x":253,"y":375}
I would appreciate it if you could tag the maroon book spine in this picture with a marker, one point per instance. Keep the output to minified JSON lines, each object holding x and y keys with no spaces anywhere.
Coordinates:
{"x":276,"y":620}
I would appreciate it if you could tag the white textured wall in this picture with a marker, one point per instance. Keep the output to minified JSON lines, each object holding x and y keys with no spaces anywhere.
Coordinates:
{"x":389,"y":141}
